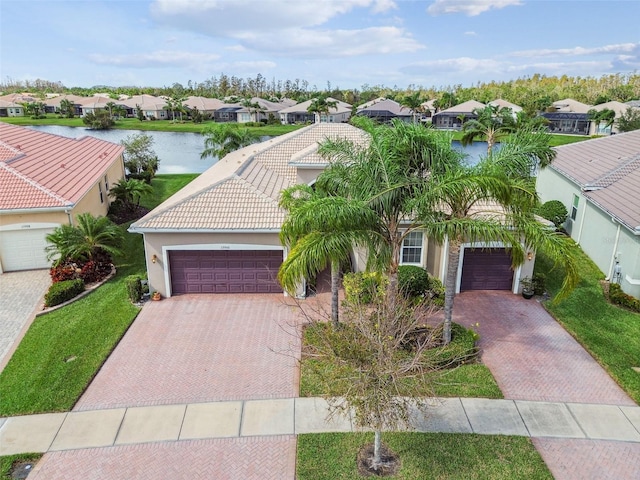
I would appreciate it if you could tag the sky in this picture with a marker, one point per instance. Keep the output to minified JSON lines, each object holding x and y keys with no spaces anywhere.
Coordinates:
{"x":341,"y":43}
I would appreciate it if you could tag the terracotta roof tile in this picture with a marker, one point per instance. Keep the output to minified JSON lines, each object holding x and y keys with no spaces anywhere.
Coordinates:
{"x":66,"y":167}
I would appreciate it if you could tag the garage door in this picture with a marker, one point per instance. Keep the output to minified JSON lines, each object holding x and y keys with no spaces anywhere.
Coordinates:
{"x":225,"y":271}
{"x":488,"y":269}
{"x":24,"y":249}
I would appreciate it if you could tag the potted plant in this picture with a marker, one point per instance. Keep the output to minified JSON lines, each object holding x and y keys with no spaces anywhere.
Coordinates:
{"x":527,"y":287}
{"x":156,"y":296}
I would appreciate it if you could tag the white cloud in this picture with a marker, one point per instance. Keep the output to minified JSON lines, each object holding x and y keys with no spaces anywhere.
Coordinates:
{"x":160,"y":58}
{"x":336,"y":43}
{"x":471,"y":33}
{"x":620,"y":48}
{"x":470,"y":8}
{"x":461,"y":64}
{"x":284,"y":28}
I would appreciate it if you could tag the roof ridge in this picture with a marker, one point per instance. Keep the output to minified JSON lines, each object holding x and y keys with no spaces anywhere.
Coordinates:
{"x":34,"y":184}
{"x":615,"y":174}
{"x":18,"y":152}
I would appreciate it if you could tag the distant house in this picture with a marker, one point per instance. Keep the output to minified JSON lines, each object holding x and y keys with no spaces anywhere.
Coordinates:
{"x":11,"y":109}
{"x":500,"y":103}
{"x":385,"y":111}
{"x":299,"y":113}
{"x":228,"y":112}
{"x":602,"y":129}
{"x":453,"y":118}
{"x":598,"y":181}
{"x":47,"y":180}
{"x":152,"y":107}
{"x":569,"y":116}
{"x":205,"y":105}
{"x":53,"y":103}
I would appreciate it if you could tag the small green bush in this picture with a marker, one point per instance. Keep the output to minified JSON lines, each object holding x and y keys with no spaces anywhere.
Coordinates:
{"x":436,"y":291}
{"x":134,"y":288}
{"x":618,"y":297}
{"x":539,"y":283}
{"x":554,"y":211}
{"x":60,"y":292}
{"x":413,"y":281}
{"x":362,"y":287}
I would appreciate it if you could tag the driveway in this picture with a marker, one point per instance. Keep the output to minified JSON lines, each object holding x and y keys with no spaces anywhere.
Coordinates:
{"x":202,"y":348}
{"x":21,"y":295}
{"x":533,"y":358}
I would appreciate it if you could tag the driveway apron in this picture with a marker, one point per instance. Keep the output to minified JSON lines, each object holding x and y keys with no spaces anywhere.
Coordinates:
{"x":189,"y":349}
{"x":20,"y":298}
{"x":533,"y":358}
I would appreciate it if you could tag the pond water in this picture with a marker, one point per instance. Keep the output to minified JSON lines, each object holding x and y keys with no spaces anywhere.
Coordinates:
{"x":179,"y":152}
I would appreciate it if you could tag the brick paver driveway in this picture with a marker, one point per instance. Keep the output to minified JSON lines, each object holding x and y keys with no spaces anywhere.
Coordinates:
{"x":194,"y":348}
{"x":533,"y":358}
{"x":200,"y":348}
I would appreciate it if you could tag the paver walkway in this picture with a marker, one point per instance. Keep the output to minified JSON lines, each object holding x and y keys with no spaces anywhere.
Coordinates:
{"x":533,"y":358}
{"x":21,"y":295}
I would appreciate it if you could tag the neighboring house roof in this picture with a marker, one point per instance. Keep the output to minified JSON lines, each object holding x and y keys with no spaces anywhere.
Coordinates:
{"x":20,"y":97}
{"x":203,"y":103}
{"x":145,"y":102}
{"x":241,"y":191}
{"x":429,"y":105}
{"x":617,"y":107}
{"x":500,"y":103}
{"x":571,"y":106}
{"x":607,"y":170}
{"x":74,"y":99}
{"x":341,"y":107}
{"x":6,"y":104}
{"x":41,"y":170}
{"x":390,"y":106}
{"x":465,"y":107}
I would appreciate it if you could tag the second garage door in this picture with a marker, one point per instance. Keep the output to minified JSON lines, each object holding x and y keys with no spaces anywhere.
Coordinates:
{"x":24,"y":249}
{"x":225,"y":271}
{"x":488,"y":269}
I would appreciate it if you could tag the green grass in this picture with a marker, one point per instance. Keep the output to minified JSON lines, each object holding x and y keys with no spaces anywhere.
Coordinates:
{"x":157,"y":125}
{"x":7,"y":462}
{"x":39,"y":378}
{"x":609,"y":333}
{"x":164,"y":186}
{"x":332,"y":456}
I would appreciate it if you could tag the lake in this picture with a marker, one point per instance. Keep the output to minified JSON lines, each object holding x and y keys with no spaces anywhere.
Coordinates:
{"x":179,"y":152}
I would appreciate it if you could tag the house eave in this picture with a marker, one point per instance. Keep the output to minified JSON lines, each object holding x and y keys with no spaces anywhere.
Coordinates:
{"x":23,"y":211}
{"x":144,"y":230}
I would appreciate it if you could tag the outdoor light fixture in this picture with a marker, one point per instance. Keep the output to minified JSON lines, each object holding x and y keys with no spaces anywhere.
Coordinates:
{"x":529,"y":255}
{"x":154,"y":258}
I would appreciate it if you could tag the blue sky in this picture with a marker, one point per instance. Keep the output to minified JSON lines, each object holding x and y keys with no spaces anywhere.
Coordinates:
{"x":349,"y":43}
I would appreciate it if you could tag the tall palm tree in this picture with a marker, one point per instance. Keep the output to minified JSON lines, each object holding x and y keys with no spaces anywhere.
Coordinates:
{"x":224,"y":138}
{"x":489,"y":203}
{"x":92,"y":235}
{"x":492,"y":123}
{"x":320,"y":105}
{"x":254,"y":108}
{"x":413,"y":102}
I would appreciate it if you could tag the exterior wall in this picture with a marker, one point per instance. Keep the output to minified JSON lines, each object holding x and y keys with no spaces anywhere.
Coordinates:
{"x":627,"y":253}
{"x":550,"y":185}
{"x":159,"y":244}
{"x":90,"y":202}
{"x":15,"y":111}
{"x":27,"y":219}
{"x":434,"y":259}
{"x":308,"y":175}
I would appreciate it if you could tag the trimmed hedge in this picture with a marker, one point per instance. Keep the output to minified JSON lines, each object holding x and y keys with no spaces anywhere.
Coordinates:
{"x":413,"y":281}
{"x":554,"y":211}
{"x":60,"y":292}
{"x":618,"y":297}
{"x":134,"y":288}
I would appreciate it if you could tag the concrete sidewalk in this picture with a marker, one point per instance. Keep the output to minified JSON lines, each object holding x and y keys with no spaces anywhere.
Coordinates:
{"x":291,"y":416}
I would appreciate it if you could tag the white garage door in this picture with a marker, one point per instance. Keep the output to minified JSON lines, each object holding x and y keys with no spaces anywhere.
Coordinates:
{"x":24,"y":249}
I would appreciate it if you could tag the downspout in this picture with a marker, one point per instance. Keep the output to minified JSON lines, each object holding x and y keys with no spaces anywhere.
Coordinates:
{"x":584,"y":214}
{"x":614,"y":254}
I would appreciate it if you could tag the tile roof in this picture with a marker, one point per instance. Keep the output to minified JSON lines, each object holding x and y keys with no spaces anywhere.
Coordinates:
{"x":341,"y":107}
{"x":390,"y":106}
{"x":41,"y":170}
{"x":241,"y":191}
{"x":501,"y":103}
{"x":607,"y":169}
{"x":465,"y":107}
{"x":571,"y":105}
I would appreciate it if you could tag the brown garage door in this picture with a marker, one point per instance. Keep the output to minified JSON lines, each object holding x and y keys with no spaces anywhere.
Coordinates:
{"x":488,"y":269}
{"x":225,"y":271}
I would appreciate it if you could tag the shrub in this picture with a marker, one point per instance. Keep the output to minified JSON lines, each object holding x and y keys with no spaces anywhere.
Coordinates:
{"x":362,"y":286}
{"x":62,"y":272}
{"x":539,"y":281}
{"x":554,"y":211}
{"x":618,"y":297}
{"x":134,"y":288}
{"x":413,"y":281}
{"x":436,"y":291}
{"x":89,"y":272}
{"x":62,"y":291}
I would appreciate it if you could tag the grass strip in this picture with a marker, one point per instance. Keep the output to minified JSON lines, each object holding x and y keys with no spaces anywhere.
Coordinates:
{"x":332,"y":456}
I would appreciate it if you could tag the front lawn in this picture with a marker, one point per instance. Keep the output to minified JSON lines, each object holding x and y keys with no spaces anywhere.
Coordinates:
{"x":609,"y":333}
{"x":63,"y":350}
{"x":332,"y":456}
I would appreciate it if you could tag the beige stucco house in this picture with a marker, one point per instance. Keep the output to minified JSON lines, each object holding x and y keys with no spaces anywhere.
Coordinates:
{"x":598,"y":181}
{"x":220,"y":233}
{"x":47,"y":180}
{"x":300,"y":113}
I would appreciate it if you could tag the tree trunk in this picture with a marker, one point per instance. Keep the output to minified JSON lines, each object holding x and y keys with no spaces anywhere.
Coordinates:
{"x":450,"y":288}
{"x":335,"y":281}
{"x":377,"y":447}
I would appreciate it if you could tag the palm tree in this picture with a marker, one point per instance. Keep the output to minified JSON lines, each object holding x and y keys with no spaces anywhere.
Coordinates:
{"x":254,"y":108}
{"x":110,"y":106}
{"x":129,"y":192}
{"x":492,"y":123}
{"x":413,"y":102}
{"x":485,"y":203}
{"x":320,"y":105}
{"x":224,"y":138}
{"x":92,"y":236}
{"x":606,"y":115}
{"x":66,"y":108}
